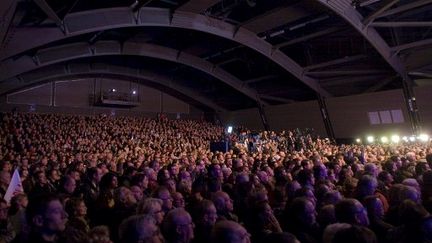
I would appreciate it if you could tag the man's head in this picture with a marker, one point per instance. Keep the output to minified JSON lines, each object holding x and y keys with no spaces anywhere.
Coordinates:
{"x":137,"y":192}
{"x":178,"y":200}
{"x":223,"y":202}
{"x":46,"y":215}
{"x":303,"y":210}
{"x":215,"y":171}
{"x":163,"y":194}
{"x":371,"y":169}
{"x":68,"y":184}
{"x":6,"y":166}
{"x":306,"y":177}
{"x":355,"y":233}
{"x":306,"y":164}
{"x":351,"y":211}
{"x":153,"y":207}
{"x":408,"y":192}
{"x":367,"y":185}
{"x":140,"y":228}
{"x":206,"y":213}
{"x":3,"y":210}
{"x":178,"y":226}
{"x":374,"y":206}
{"x":124,"y":196}
{"x":185,"y":175}
{"x":40,"y":178}
{"x":94,"y":174}
{"x":412,"y":183}
{"x":174,"y":169}
{"x":5,"y":178}
{"x":226,"y":231}
{"x":54,"y":175}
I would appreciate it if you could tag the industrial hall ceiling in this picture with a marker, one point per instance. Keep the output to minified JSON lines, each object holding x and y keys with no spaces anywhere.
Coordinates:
{"x":220,"y":54}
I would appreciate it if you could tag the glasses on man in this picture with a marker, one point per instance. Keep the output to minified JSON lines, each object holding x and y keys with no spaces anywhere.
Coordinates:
{"x":188,"y":224}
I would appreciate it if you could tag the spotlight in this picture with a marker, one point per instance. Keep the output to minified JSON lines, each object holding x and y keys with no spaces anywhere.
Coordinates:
{"x":134,"y":92}
{"x":384,"y":140}
{"x":395,"y":139}
{"x":358,"y":140}
{"x":229,"y":129}
{"x":405,"y":138}
{"x":412,"y":138}
{"x":370,"y":139}
{"x":113,"y":90}
{"x":423,"y":137}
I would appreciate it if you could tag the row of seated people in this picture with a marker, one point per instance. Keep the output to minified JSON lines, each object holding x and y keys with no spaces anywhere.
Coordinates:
{"x":104,"y":179}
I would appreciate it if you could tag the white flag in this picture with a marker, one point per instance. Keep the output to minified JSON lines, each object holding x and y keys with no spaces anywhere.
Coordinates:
{"x":15,"y":187}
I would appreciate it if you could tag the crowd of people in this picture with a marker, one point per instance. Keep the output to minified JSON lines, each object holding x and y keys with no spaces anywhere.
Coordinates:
{"x":122,"y":179}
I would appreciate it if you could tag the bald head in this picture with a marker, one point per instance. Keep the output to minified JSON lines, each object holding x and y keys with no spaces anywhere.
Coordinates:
{"x":222,"y":202}
{"x":178,"y":226}
{"x":226,"y":231}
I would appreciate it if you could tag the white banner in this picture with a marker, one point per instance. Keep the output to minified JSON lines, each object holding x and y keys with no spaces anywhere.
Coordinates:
{"x":15,"y":187}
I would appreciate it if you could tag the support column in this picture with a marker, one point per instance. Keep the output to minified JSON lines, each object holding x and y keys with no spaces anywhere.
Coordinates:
{"x":263,"y":117}
{"x":53,"y":93}
{"x":161,"y":109}
{"x":94,"y":100}
{"x":412,"y":108}
{"x":326,"y":118}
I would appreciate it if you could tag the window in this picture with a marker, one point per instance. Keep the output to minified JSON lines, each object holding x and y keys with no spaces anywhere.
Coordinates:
{"x":374,"y":118}
{"x":397,"y":116}
{"x":386,"y":117}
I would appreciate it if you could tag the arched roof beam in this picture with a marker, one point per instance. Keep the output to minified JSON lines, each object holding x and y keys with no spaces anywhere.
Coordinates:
{"x":62,"y":71}
{"x":345,"y":10}
{"x":277,"y":18}
{"x":388,"y":4}
{"x":45,"y":7}
{"x":333,"y":62}
{"x":101,"y":19}
{"x":405,"y":7}
{"x":62,"y":53}
{"x":406,"y":24}
{"x":416,"y":44}
{"x":197,"y":6}
{"x":7,"y":11}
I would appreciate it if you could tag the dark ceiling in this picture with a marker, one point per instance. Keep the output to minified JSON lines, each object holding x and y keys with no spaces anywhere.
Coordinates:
{"x":235,"y":54}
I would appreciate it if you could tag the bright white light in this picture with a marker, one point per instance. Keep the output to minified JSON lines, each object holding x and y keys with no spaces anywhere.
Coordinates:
{"x":412,"y":138}
{"x":384,"y":140}
{"x":423,"y":137}
{"x":230,"y":128}
{"x":395,"y":139}
{"x":358,"y":140}
{"x":405,"y":138}
{"x":370,"y":139}
{"x":134,"y":92}
{"x":114,"y":90}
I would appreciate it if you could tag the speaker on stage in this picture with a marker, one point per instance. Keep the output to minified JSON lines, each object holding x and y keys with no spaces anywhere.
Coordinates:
{"x":221,"y":146}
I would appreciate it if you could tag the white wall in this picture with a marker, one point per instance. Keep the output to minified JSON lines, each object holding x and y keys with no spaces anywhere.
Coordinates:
{"x":296,"y":115}
{"x":75,"y":95}
{"x":39,"y":95}
{"x":282,"y":117}
{"x":249,"y":118}
{"x":424,"y":103}
{"x":349,"y":115}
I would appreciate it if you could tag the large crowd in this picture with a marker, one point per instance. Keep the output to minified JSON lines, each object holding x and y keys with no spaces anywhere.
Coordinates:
{"x":121,"y":179}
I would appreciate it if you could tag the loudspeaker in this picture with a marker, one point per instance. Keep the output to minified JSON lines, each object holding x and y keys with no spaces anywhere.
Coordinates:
{"x":219,"y":146}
